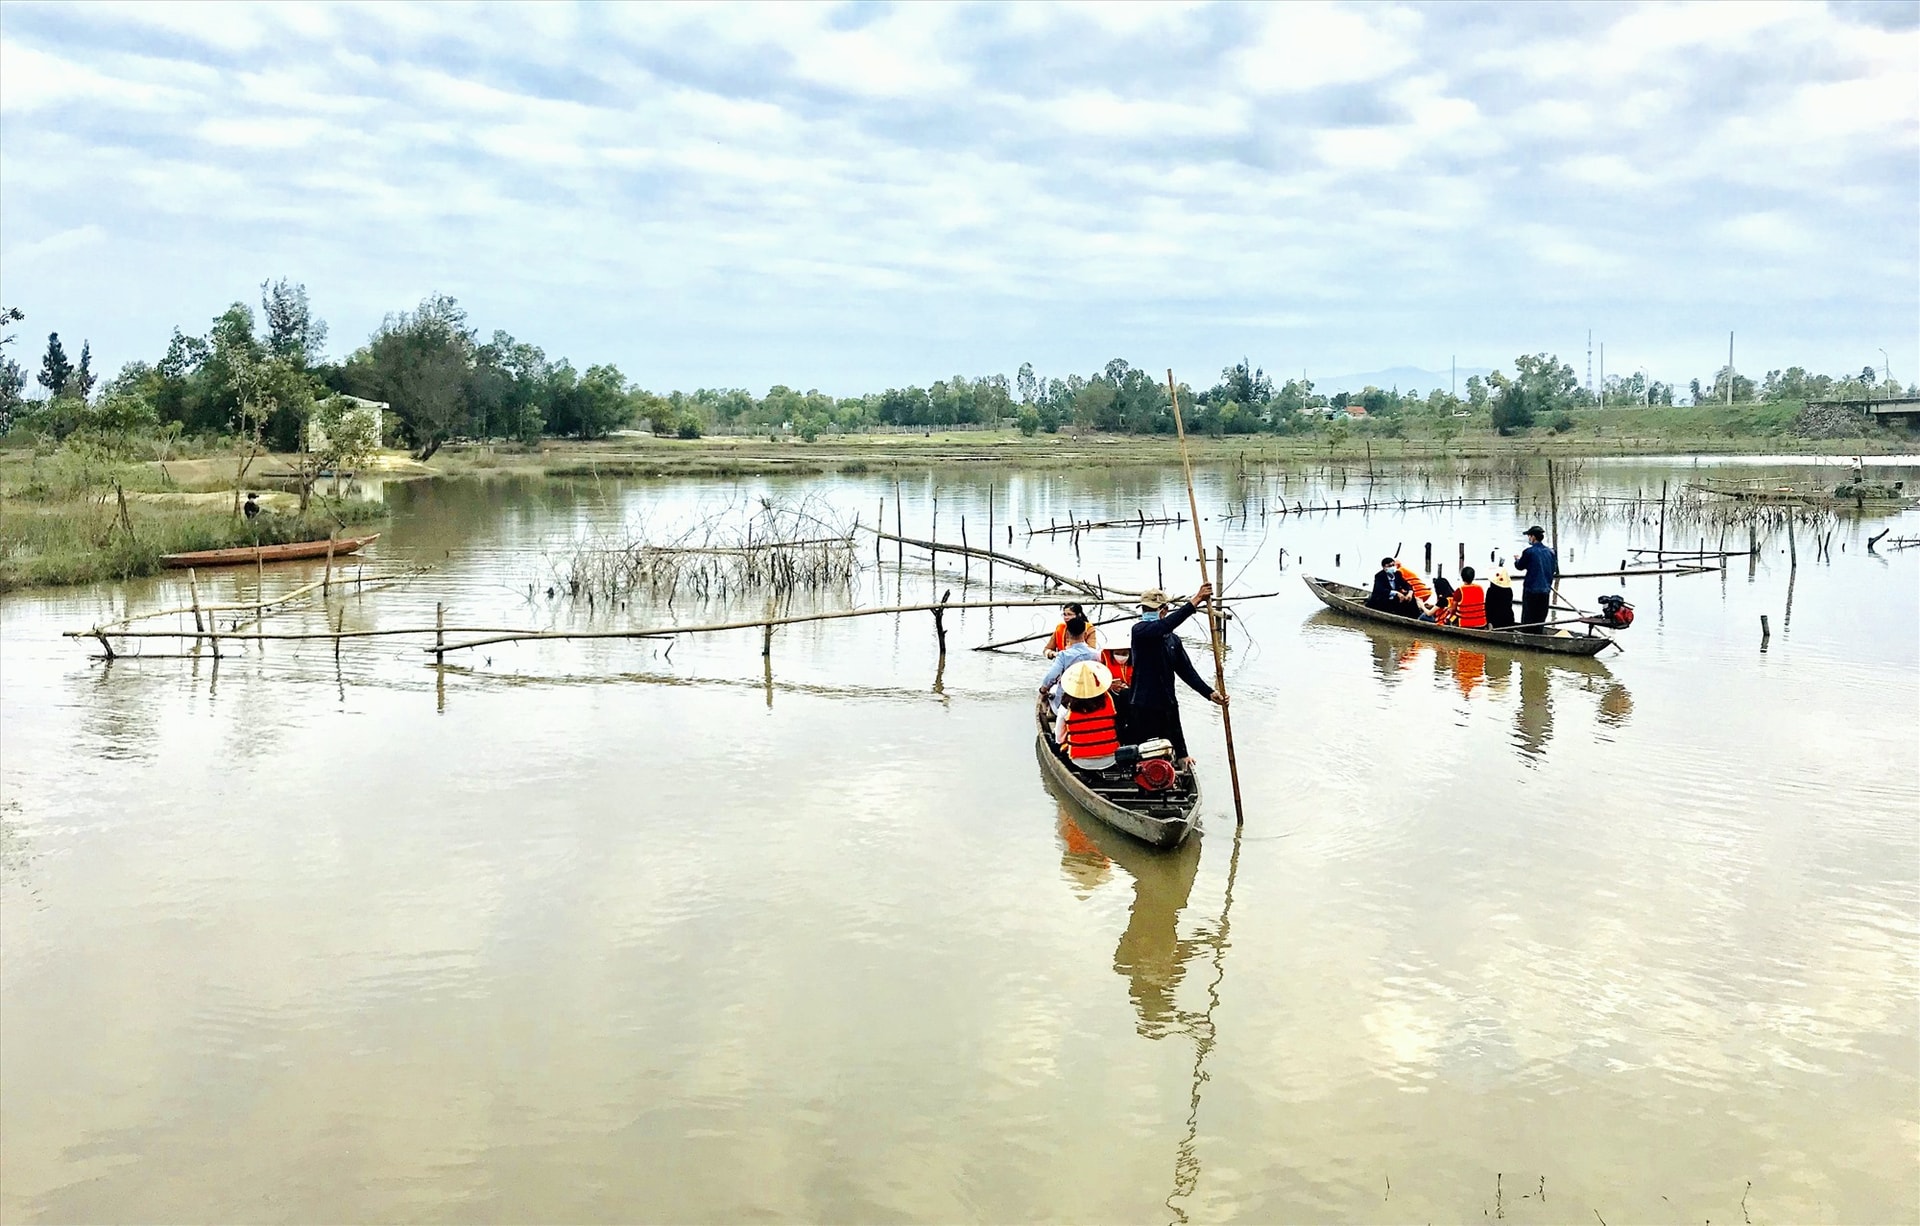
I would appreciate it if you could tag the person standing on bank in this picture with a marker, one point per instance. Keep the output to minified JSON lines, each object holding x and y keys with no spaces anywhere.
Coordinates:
{"x":1541,"y":568}
{"x":1153,"y":708}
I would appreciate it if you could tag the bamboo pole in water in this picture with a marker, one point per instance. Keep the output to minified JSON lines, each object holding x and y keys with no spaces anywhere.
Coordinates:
{"x":1079,"y":585}
{"x":1213,"y":615}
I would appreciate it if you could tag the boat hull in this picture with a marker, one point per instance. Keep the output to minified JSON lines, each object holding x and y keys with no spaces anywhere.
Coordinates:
{"x":1157,"y":824}
{"x":1352,"y":601}
{"x":247,"y":555}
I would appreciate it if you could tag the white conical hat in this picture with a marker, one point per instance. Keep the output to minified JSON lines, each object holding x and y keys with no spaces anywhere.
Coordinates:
{"x":1087,"y":679}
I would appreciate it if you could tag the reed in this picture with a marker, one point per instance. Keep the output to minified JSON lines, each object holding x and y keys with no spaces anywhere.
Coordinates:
{"x":765,"y":547}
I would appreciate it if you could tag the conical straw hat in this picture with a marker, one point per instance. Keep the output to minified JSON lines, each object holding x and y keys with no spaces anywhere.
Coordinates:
{"x":1087,"y":679}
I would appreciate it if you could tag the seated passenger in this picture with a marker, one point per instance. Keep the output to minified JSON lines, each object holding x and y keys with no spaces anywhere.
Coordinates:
{"x":1500,"y":602}
{"x":1470,"y":602}
{"x":1058,"y":643}
{"x":1074,"y":650}
{"x":1390,"y":594}
{"x":1087,"y":727}
{"x":1442,"y":611}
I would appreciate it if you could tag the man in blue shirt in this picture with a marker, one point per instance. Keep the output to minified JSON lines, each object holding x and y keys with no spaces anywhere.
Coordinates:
{"x":1541,"y":568}
{"x":1075,"y":651}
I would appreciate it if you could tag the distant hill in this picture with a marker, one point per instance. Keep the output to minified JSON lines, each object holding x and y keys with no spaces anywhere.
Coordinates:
{"x":1406,"y":378}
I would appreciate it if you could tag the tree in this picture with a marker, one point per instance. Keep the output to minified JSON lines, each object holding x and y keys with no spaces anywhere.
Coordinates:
{"x":55,"y":370}
{"x":13,"y":379}
{"x":1028,"y":385}
{"x":419,"y":362}
{"x":81,"y":384}
{"x":602,"y":401}
{"x":340,"y":434}
{"x":293,"y":333}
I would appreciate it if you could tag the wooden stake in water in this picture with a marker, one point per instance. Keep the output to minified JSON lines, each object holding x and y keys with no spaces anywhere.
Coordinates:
{"x":1213,"y":614}
{"x":193,"y":590}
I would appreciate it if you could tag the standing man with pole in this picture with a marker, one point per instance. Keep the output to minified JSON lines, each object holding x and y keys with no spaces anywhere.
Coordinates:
{"x":1213,"y":613}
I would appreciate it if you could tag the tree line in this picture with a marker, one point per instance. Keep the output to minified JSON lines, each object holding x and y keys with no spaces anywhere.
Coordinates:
{"x":264,"y":375}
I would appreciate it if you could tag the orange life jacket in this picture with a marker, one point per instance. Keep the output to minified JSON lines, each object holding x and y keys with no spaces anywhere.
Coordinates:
{"x":1470,"y":606}
{"x":1446,"y":611}
{"x":1092,"y":734}
{"x":1421,"y":591}
{"x":1119,"y":663}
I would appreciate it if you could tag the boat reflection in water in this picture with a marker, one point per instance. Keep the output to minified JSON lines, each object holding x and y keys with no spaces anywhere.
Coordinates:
{"x":1151,"y":954}
{"x":1471,"y":670}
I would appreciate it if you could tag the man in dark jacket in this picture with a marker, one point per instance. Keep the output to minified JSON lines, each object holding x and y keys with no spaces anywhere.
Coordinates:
{"x":1537,"y":562}
{"x":1391,"y":594}
{"x":1153,"y":710}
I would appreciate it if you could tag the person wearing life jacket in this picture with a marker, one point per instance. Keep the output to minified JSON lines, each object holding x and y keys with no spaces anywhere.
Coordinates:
{"x":1087,"y":727}
{"x":1390,"y":592}
{"x":1421,"y":592}
{"x":1058,"y":643}
{"x":1442,"y":608}
{"x":1073,"y":651}
{"x":1470,"y":605}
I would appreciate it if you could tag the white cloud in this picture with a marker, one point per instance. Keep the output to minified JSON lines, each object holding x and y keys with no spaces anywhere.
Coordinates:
{"x":1303,"y":46}
{"x":864,"y":171}
{"x":49,"y":249}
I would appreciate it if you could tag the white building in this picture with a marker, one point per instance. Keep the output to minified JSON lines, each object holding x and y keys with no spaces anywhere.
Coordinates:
{"x":375,"y":409}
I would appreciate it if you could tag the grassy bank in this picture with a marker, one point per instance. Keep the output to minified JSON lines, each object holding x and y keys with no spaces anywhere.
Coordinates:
{"x":1663,"y":430}
{"x":61,"y":520}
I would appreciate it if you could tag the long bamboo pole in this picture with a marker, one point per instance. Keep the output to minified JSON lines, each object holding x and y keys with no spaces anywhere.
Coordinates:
{"x":1213,"y":614}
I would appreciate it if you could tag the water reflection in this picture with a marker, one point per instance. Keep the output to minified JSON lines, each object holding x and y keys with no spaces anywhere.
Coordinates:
{"x":1397,"y":654}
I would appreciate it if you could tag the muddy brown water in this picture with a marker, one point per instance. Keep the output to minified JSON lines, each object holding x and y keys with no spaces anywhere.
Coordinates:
{"x":610,"y":930}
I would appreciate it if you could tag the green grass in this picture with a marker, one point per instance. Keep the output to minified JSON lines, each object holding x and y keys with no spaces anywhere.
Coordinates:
{"x":60,"y":522}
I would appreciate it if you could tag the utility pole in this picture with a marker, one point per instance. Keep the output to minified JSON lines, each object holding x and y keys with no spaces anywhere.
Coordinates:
{"x":1589,"y":363}
{"x":1729,"y":370}
{"x":1886,"y":366}
{"x":1603,"y":374}
{"x":1453,"y":379}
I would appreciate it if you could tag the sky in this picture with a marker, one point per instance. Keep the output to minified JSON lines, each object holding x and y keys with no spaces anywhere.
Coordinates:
{"x":852,"y":197}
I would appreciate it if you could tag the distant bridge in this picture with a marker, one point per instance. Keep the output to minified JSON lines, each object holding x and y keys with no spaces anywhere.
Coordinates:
{"x":1889,"y":409}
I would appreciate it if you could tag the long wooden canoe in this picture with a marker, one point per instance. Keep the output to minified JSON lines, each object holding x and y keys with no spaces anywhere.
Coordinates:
{"x":1159,"y":819}
{"x":1353,"y":602}
{"x":247,"y":555}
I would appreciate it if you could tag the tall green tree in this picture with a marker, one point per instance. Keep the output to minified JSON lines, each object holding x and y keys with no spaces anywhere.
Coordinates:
{"x":55,"y":370}
{"x":13,"y":378}
{"x":420,"y":362}
{"x":294,"y":332}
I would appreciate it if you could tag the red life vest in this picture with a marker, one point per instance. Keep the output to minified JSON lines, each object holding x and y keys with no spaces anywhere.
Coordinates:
{"x":1472,"y":606}
{"x":1092,"y":734}
{"x":1119,"y":662}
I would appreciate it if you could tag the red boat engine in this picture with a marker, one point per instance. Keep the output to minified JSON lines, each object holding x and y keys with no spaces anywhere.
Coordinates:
{"x":1155,"y":775}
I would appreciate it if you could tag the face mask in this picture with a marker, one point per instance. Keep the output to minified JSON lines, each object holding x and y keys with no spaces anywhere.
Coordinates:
{"x":1149,"y":615}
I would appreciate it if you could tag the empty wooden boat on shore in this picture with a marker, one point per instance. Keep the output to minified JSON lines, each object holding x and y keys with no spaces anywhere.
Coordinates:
{"x":247,"y":555}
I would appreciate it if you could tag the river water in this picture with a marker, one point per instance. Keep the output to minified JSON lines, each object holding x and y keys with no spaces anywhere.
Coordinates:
{"x":618,"y":930}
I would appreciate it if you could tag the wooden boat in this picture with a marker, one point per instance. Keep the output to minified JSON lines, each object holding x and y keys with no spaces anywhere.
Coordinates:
{"x":1787,"y":495}
{"x":1159,"y":819}
{"x":1353,"y":601}
{"x":246,"y":555}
